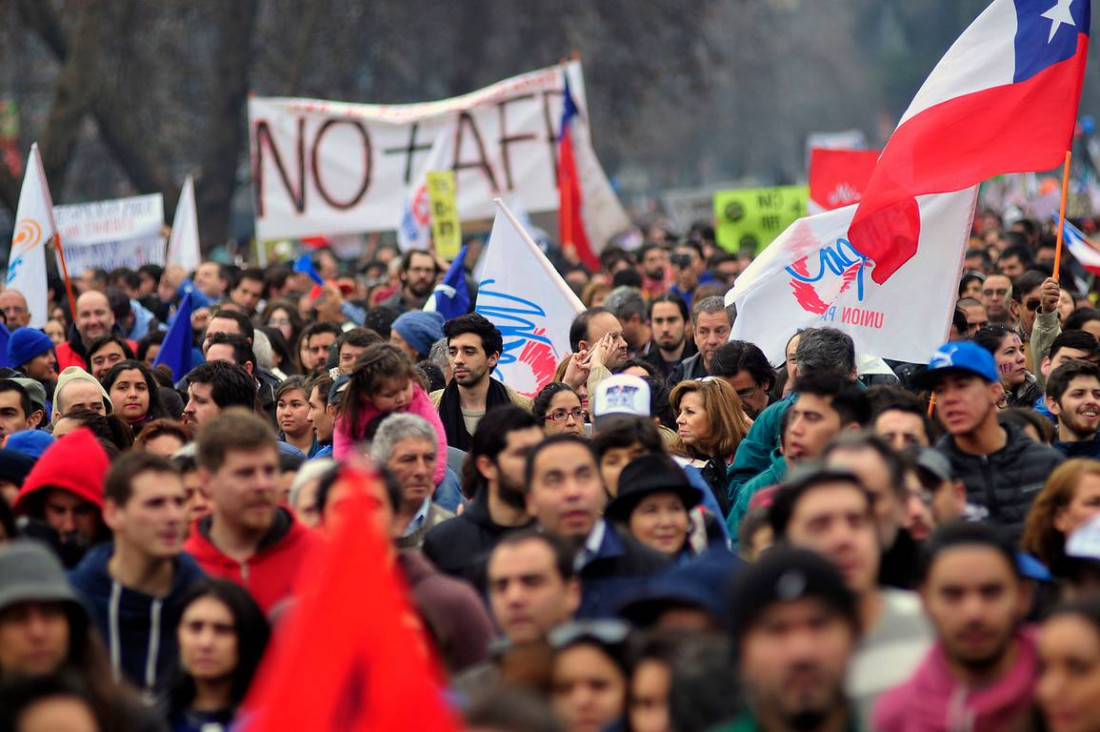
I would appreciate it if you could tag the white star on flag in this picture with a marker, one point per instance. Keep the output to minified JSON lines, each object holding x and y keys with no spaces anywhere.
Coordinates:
{"x":1058,"y":15}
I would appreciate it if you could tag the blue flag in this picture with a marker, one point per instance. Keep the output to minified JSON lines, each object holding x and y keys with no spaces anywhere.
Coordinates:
{"x":304,"y":264}
{"x":175,"y":351}
{"x":452,"y":296}
{"x":4,"y":335}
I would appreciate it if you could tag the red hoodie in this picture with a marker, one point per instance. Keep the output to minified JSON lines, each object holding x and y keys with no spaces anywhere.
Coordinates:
{"x":269,"y":574}
{"x":76,"y":463}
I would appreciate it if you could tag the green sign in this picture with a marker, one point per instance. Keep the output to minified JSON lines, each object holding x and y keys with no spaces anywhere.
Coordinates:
{"x":749,"y":219}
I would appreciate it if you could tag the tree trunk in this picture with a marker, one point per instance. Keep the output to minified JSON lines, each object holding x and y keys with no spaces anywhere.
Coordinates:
{"x":226,"y":136}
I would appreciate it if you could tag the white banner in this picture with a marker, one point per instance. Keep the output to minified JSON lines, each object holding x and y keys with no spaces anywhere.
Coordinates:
{"x":812,"y":276}
{"x":124,"y":232}
{"x":524,"y":296}
{"x":34,"y":227}
{"x":321,"y":167}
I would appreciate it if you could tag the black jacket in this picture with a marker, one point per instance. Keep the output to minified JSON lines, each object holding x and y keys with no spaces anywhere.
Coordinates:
{"x":461,"y":547}
{"x":1084,"y":449}
{"x":1007,"y":481}
{"x":688,"y":370}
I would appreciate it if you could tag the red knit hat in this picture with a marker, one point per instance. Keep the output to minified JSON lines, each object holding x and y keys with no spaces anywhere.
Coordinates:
{"x":76,"y":463}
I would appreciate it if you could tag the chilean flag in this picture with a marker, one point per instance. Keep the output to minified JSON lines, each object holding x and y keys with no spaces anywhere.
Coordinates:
{"x":570,"y":198}
{"x":1084,"y":251}
{"x":1002,"y":100}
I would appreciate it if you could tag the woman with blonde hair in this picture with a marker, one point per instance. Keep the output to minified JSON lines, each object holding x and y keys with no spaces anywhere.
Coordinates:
{"x":1070,"y":497}
{"x":710,"y":424}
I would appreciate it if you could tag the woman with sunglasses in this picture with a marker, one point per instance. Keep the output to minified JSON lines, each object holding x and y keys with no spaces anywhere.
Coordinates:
{"x":1021,"y":389}
{"x":558,"y":409}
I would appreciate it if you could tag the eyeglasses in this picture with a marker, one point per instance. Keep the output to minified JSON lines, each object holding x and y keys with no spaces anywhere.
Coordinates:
{"x":1032,"y":305}
{"x":560,"y":415}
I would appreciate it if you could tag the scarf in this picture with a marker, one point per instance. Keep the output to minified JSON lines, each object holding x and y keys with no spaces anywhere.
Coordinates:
{"x":450,"y":411}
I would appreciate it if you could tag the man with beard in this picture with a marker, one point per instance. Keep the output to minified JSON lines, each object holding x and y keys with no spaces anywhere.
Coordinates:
{"x":653,"y":262}
{"x":418,"y":274}
{"x":795,"y":627}
{"x":493,"y":480}
{"x":248,"y":538}
{"x":669,"y":320}
{"x":1073,"y":397}
{"x":981,"y":673}
{"x":474,"y":346}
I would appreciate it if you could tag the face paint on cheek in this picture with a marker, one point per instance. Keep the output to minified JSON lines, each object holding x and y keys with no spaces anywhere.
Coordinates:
{"x":1006,"y":368}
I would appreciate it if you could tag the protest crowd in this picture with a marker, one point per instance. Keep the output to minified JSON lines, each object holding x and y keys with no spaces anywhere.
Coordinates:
{"x":307,"y":494}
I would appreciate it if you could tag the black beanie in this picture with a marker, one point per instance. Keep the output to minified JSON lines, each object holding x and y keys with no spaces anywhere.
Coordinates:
{"x":785,"y":574}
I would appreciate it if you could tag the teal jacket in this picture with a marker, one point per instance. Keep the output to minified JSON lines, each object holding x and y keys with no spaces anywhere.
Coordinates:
{"x":755,"y":454}
{"x":772,"y":475}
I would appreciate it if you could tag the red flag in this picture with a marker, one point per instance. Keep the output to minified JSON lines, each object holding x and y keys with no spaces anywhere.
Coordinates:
{"x":838,"y":177}
{"x":351,"y":655}
{"x":570,"y":198}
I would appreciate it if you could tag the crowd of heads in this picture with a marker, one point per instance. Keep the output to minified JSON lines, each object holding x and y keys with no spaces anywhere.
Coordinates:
{"x":678,"y":531}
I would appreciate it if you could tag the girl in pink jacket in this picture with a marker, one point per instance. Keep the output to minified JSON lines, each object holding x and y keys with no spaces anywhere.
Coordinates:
{"x":384,"y":380}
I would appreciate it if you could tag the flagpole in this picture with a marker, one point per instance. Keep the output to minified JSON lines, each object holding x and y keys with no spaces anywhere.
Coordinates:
{"x":1061,"y":219}
{"x":65,"y":274}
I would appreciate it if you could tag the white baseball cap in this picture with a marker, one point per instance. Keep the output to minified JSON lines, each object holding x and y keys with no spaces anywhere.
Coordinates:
{"x":622,"y":394}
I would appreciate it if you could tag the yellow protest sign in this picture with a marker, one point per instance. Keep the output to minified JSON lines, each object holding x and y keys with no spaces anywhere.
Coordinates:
{"x":749,"y":219}
{"x":446,"y":228}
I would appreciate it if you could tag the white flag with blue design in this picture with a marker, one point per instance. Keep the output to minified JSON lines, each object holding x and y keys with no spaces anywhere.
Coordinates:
{"x":34,"y":227}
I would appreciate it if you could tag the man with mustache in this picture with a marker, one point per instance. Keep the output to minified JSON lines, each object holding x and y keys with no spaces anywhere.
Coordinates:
{"x":248,"y":538}
{"x":418,"y":273}
{"x":981,"y":673}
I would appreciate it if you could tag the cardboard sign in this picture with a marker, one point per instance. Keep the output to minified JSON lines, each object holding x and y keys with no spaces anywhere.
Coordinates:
{"x":446,"y":228}
{"x":750,"y":219}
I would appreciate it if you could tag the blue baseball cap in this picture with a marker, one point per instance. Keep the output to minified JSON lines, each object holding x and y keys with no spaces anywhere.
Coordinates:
{"x":959,"y":356}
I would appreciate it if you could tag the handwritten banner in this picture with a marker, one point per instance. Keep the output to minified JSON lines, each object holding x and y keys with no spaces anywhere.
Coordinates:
{"x":749,"y":219}
{"x":321,"y":167}
{"x":124,"y":232}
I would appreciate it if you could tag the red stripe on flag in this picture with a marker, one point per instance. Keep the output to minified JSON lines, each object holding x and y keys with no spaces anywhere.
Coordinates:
{"x":570,"y":220}
{"x":959,"y":143}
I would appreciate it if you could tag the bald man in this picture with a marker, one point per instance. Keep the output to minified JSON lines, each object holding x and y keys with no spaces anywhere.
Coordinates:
{"x":14,"y":307}
{"x":94,"y":319}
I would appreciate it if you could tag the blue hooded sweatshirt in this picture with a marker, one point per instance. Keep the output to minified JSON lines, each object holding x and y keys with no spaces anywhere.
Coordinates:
{"x":140,"y":630}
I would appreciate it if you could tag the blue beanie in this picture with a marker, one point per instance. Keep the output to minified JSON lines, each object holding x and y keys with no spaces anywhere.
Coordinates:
{"x":420,"y":329}
{"x":26,"y":343}
{"x":30,"y":442}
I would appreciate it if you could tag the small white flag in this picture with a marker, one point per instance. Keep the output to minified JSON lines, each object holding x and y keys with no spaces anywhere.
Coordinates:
{"x":34,"y":227}
{"x":524,"y":296}
{"x":183,"y":245}
{"x":812,"y":276}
